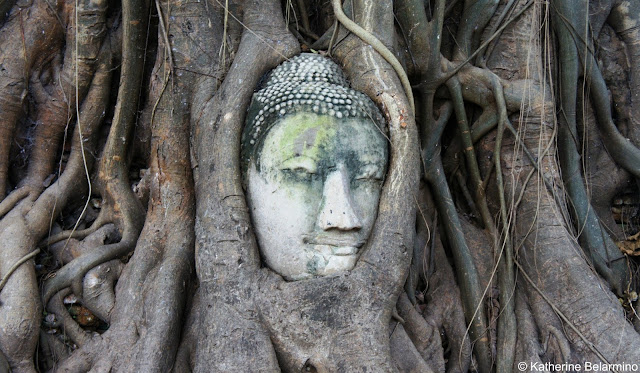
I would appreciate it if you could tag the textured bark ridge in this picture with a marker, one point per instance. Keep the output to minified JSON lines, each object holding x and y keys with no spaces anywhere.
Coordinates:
{"x":126,"y":243}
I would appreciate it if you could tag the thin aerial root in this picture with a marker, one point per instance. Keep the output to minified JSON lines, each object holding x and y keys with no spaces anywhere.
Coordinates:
{"x":378,"y":46}
{"x":506,"y":281}
{"x":422,"y":248}
{"x":471,"y":293}
{"x":165,"y":37}
{"x":454,"y":70}
{"x":470,"y":154}
{"x":432,"y":131}
{"x":467,"y":274}
{"x":489,"y":50}
{"x":475,"y":16}
{"x":462,"y":184}
{"x":16,"y":266}
{"x":304,"y":18}
{"x":486,"y":123}
{"x":603,"y":252}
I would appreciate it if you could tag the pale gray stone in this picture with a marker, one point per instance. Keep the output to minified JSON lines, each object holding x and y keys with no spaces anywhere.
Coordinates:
{"x":314,"y":164}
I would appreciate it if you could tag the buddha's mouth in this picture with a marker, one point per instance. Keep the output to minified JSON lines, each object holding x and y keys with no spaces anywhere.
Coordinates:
{"x":343,"y":250}
{"x":340,"y":245}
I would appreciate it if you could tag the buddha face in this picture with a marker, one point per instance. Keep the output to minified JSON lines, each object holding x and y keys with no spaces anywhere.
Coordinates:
{"x":314,"y":192}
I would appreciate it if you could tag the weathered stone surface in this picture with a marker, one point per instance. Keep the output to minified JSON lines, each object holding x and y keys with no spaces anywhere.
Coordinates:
{"x":315,"y":158}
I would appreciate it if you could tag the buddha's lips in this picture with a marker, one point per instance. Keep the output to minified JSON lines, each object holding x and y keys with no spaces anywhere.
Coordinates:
{"x":332,"y":241}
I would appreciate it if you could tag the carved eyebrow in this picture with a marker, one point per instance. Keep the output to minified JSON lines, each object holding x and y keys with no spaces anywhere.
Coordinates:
{"x":300,"y":161}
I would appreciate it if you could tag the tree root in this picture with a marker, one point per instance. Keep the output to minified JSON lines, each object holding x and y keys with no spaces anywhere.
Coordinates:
{"x":124,"y":208}
{"x":602,"y":250}
{"x":237,"y":300}
{"x":368,"y":38}
{"x":443,"y":305}
{"x":102,"y":220}
{"x":13,"y":268}
{"x":406,"y":357}
{"x":539,"y":231}
{"x":468,"y":278}
{"x":70,"y":80}
{"x":33,"y":215}
{"x":73,"y":273}
{"x":22,"y":32}
{"x":12,"y":200}
{"x":625,"y":19}
{"x":476,"y":15}
{"x":69,"y":327}
{"x":622,"y":150}
{"x":221,"y":238}
{"x":98,"y":289}
{"x":588,"y":343}
{"x":528,"y":347}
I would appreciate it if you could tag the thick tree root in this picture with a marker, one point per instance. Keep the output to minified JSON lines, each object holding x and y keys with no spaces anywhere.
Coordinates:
{"x":24,"y":49}
{"x":124,"y":209}
{"x":368,"y":38}
{"x":602,"y":250}
{"x":28,"y":221}
{"x":12,"y":200}
{"x":243,"y":316}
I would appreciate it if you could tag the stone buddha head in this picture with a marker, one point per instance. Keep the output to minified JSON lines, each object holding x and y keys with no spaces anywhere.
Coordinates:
{"x":314,"y":157}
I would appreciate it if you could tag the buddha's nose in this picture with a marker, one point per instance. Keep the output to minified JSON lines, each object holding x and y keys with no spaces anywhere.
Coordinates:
{"x":337,"y":209}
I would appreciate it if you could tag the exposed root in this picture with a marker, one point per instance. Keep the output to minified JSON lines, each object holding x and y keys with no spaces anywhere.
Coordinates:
{"x":467,"y":278}
{"x":606,"y":257}
{"x":33,"y":215}
{"x":568,"y":322}
{"x":371,"y":40}
{"x":560,"y":310}
{"x":68,"y":326}
{"x":23,"y":29}
{"x":102,"y":220}
{"x":97,"y":292}
{"x":124,"y":209}
{"x":73,"y":273}
{"x":12,"y":200}
{"x":20,"y":262}
{"x":406,"y":357}
{"x":67,"y":84}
